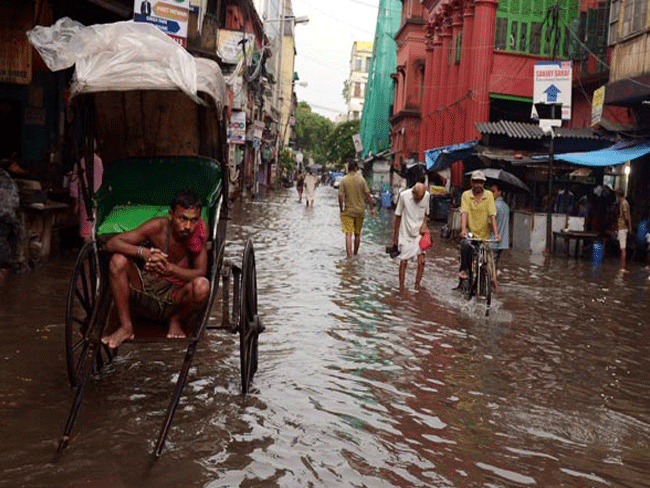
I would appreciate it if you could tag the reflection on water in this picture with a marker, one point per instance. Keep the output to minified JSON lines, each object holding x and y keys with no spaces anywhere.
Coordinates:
{"x":359,"y":384}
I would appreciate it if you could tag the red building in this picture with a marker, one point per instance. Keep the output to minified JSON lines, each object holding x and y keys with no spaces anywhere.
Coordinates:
{"x":460,"y":62}
{"x":409,"y":82}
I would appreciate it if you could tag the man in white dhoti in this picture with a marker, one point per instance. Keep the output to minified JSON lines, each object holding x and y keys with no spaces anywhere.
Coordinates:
{"x":310,"y":187}
{"x":410,"y":224}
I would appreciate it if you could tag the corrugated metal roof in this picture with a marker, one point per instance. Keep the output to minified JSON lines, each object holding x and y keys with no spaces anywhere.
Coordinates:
{"x":524,"y":130}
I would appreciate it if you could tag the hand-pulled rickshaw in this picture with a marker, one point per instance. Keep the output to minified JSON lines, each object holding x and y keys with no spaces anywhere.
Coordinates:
{"x":157,"y":117}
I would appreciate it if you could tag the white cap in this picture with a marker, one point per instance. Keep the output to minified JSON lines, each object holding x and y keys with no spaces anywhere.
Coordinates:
{"x":478,"y":175}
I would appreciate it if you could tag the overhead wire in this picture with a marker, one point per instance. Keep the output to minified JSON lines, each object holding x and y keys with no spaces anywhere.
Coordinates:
{"x":340,"y":21}
{"x":321,"y":107}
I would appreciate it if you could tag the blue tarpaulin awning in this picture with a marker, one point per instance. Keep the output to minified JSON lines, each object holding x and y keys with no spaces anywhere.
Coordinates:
{"x":619,"y":153}
{"x":442,"y":157}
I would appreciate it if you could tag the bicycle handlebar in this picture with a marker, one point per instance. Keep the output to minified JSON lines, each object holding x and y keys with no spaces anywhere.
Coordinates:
{"x":485,"y":241}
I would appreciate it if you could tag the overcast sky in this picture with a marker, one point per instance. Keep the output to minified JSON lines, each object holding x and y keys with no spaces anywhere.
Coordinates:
{"x":324,"y":45}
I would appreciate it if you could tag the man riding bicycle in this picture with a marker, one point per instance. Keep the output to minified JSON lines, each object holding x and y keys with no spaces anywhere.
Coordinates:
{"x":476,"y":210}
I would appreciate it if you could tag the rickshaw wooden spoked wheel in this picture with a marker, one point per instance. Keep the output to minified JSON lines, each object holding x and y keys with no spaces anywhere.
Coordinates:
{"x":82,"y":315}
{"x":250,"y":325}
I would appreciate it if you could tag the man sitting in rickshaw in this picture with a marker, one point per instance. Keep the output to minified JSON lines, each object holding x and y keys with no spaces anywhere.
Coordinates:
{"x":159,"y":268}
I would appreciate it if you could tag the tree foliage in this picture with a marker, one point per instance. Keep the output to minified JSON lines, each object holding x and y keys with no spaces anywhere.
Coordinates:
{"x":340,"y":144}
{"x":312,"y":132}
{"x":287,"y":161}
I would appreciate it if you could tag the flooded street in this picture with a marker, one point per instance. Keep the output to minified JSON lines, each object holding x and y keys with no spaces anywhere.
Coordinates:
{"x":358,"y":385}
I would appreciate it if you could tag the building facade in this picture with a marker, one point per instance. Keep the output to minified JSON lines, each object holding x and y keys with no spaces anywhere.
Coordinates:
{"x":629,"y":88}
{"x":475,"y":73}
{"x":409,"y":83}
{"x":355,"y":85}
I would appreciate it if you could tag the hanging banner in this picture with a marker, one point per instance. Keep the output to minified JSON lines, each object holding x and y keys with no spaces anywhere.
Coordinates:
{"x":597,"y":105}
{"x":237,"y":128}
{"x":229,"y":46}
{"x":170,"y":16}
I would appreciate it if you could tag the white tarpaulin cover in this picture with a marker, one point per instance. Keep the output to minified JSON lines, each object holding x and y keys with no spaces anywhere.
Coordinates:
{"x":125,"y":56}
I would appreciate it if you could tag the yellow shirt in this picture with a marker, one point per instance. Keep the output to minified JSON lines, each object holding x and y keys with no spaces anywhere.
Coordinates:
{"x":478,"y":213}
{"x":353,"y":189}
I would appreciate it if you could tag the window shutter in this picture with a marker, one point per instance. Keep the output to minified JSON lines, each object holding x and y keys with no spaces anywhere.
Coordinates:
{"x":565,"y":44}
{"x":514,"y":7}
{"x":614,"y":12}
{"x":592,"y":29}
{"x":628,"y":12}
{"x":535,"y":37}
{"x":512,"y":41}
{"x":601,"y":29}
{"x":501,"y":34}
{"x":640,"y":9}
{"x":523,"y":37}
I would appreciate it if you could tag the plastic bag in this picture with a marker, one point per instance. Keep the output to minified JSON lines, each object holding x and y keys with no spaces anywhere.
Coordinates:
{"x":425,"y":241}
{"x":118,"y":56}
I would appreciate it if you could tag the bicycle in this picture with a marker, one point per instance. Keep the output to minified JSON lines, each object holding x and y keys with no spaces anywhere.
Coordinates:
{"x":479,"y":281}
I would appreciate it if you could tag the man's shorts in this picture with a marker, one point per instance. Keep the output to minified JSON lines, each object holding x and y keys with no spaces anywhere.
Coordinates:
{"x":622,"y":238}
{"x":156,"y":300}
{"x":351,"y":225}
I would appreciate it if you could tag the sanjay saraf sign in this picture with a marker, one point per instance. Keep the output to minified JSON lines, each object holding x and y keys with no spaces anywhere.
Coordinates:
{"x":552,"y":85}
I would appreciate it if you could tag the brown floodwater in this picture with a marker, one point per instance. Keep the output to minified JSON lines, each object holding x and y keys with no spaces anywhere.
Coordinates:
{"x":358,"y":385}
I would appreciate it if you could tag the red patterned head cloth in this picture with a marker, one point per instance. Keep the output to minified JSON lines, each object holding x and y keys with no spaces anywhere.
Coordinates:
{"x":198,"y":238}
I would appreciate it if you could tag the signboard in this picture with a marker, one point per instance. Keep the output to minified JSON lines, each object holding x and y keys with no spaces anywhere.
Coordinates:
{"x":597,"y":105}
{"x":552,"y":84}
{"x":229,"y":48}
{"x":170,"y":16}
{"x":358,"y":145}
{"x":258,"y":129}
{"x":239,"y":93}
{"x":237,"y":128}
{"x":15,"y":57}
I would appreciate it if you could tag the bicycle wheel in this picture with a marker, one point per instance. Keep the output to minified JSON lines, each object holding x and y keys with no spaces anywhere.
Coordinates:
{"x":486,"y":287}
{"x":474,"y":274}
{"x":466,"y":288}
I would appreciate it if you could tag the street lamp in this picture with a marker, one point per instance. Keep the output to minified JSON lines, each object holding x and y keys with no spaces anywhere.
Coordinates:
{"x":303,"y":19}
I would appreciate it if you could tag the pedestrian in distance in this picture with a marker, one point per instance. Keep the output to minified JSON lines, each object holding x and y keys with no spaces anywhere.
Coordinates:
{"x":75,"y":189}
{"x":623,"y":224}
{"x":353,"y":195}
{"x":311,"y":180}
{"x":411,"y":215}
{"x":503,"y":226}
{"x":300,"y":185}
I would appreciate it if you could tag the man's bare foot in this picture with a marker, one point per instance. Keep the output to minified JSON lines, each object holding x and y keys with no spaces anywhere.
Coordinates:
{"x":116,"y":339}
{"x":175,"y":330}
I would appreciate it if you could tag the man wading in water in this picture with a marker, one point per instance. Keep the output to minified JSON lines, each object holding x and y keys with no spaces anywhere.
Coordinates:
{"x":159,"y":268}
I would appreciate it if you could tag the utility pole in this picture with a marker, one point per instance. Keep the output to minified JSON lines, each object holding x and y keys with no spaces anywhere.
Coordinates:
{"x":554,"y":16}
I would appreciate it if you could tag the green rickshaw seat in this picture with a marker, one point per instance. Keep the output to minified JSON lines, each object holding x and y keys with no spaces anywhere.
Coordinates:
{"x":135,"y":190}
